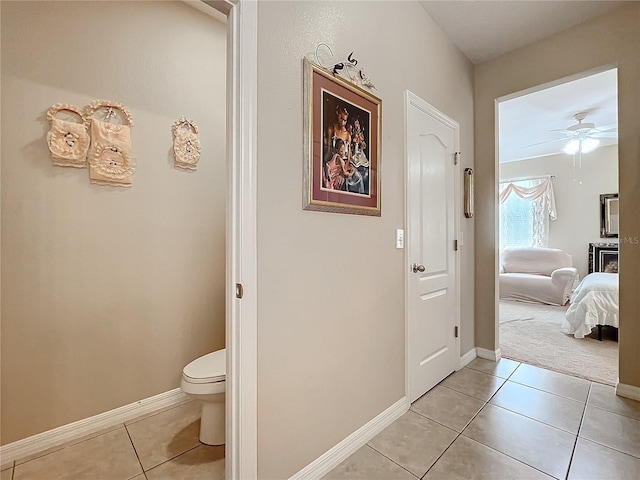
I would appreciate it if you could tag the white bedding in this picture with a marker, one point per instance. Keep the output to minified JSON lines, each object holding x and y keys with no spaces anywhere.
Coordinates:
{"x":594,"y":302}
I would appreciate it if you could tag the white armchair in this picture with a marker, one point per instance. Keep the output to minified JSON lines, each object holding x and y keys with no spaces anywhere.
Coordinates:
{"x":531,"y":274}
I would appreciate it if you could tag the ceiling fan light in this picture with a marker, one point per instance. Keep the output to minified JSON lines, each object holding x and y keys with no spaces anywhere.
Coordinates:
{"x":589,"y":144}
{"x":572,"y":147}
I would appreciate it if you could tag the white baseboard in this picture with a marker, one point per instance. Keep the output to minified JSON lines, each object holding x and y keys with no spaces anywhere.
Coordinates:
{"x":467,"y":358}
{"x":489,"y":354}
{"x":72,"y":431}
{"x":333,"y":457}
{"x":628,"y":391}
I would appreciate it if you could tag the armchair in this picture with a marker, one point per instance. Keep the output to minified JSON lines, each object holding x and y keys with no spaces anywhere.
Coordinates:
{"x":533,"y":274}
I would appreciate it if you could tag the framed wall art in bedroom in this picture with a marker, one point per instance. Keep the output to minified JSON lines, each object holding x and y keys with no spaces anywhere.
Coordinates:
{"x":603,"y":257}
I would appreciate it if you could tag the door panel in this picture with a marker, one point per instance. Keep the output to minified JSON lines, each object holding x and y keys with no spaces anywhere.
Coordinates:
{"x":432,"y":303}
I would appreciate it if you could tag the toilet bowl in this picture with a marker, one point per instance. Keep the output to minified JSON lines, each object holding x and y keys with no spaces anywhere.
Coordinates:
{"x":204,"y":380}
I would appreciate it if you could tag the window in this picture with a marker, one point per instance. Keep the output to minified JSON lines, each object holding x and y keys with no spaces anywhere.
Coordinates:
{"x":525,"y":209}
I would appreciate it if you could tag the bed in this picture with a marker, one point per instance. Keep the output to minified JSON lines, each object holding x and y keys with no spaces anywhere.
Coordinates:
{"x":594,"y":302}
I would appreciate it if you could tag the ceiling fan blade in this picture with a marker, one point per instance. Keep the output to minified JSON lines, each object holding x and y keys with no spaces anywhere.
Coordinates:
{"x":603,"y":130}
{"x":542,"y":143}
{"x":605,"y":135}
{"x":608,"y":126}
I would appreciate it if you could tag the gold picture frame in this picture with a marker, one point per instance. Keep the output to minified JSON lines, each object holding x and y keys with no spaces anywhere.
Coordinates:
{"x":342,"y":145}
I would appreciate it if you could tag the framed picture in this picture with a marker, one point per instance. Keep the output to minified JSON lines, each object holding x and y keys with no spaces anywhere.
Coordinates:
{"x":603,"y":257}
{"x":342,"y":145}
{"x":609,"y":214}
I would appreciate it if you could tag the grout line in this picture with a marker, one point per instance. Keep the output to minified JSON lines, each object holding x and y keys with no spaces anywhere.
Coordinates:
{"x":440,"y":456}
{"x":614,"y":413}
{"x":575,"y":444}
{"x":172,"y":458}
{"x":447,"y":426}
{"x":537,"y":419}
{"x":391,"y":460}
{"x":552,"y":393}
{"x":507,"y":455}
{"x":134,"y":449}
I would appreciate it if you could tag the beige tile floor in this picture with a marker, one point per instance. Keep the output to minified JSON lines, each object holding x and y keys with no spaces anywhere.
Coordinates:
{"x":495,"y":421}
{"x":503,"y":421}
{"x":161,"y":446}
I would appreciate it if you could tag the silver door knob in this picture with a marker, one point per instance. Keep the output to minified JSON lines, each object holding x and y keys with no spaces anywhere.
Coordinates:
{"x":417,"y":268}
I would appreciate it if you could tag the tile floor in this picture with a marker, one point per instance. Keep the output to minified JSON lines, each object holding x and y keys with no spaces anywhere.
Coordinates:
{"x":160,"y":446}
{"x":502,"y":421}
{"x":490,"y":420}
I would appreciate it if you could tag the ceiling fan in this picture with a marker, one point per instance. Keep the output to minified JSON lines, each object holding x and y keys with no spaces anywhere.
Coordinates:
{"x":582,"y":137}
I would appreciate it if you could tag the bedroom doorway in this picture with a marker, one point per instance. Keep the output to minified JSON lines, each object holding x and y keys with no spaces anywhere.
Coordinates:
{"x":558,"y":164}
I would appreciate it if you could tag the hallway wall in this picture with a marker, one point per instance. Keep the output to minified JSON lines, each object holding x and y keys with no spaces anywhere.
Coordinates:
{"x":331,"y":313}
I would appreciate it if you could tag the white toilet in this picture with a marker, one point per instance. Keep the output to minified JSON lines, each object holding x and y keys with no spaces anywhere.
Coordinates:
{"x":204,"y":379}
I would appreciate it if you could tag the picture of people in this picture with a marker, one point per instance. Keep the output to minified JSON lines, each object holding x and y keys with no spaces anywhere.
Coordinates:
{"x":346,"y":130}
{"x":342,"y":145}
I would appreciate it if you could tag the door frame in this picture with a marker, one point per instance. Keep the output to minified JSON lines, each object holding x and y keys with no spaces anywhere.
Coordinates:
{"x":241,"y":237}
{"x":412,"y":98}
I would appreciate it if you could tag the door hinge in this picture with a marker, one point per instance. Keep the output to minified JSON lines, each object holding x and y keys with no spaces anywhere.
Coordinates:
{"x":456,"y":157}
{"x":455,"y":245}
{"x":239,"y":290}
{"x":455,"y":331}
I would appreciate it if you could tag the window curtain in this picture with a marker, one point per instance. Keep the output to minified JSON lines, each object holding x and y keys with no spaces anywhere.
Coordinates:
{"x":526,"y":206}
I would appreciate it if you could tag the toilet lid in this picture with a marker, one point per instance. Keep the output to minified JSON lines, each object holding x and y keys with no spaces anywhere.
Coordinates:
{"x":209,"y":368}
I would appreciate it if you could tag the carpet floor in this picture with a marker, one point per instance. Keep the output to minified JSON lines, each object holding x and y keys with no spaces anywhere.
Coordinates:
{"x":530,"y":333}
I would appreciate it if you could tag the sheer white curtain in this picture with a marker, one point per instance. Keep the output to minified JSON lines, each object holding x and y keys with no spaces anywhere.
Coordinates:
{"x":525,"y":209}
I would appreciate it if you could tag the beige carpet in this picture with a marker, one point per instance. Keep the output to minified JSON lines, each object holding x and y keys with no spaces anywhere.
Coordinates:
{"x":531,"y":333}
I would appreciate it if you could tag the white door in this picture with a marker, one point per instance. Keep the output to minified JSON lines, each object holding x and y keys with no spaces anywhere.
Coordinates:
{"x":433,"y":349}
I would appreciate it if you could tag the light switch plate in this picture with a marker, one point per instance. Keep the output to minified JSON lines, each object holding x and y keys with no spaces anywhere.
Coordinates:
{"x":399,"y":238}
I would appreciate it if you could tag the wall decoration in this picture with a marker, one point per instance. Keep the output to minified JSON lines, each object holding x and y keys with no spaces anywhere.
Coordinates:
{"x":342,"y":145}
{"x":609,"y":215}
{"x":349,"y":66}
{"x":110,"y":160}
{"x":603,"y":257}
{"x":468,"y":193}
{"x":68,"y":141}
{"x":186,"y":144}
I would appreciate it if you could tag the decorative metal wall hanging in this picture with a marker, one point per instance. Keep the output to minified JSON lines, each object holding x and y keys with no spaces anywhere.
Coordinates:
{"x":468,"y":192}
{"x":110,"y":159}
{"x":349,"y":67}
{"x":68,"y":141}
{"x":186,"y":144}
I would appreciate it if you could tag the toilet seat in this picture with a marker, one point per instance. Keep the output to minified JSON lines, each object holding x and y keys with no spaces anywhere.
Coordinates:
{"x":210,"y":368}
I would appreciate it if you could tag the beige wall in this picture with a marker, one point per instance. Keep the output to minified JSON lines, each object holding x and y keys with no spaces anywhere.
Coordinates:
{"x":331,"y":326}
{"x":578,"y":204}
{"x":107,"y":293}
{"x":613,"y":39}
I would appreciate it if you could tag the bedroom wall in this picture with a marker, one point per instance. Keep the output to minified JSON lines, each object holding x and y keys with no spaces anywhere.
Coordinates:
{"x":578,"y":205}
{"x":331,"y":330}
{"x":609,"y":40}
{"x":107,"y":293}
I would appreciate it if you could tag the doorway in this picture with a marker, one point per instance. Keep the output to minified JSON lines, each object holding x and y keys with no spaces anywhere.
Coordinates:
{"x":563,"y":134}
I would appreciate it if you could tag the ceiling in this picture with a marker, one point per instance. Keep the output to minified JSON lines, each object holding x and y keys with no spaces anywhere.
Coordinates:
{"x":484,"y":30}
{"x":530,"y":119}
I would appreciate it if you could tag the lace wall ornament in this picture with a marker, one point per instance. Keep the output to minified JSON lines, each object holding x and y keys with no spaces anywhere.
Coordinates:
{"x":186,"y":144}
{"x":349,"y":66}
{"x":68,"y":141}
{"x":110,"y":159}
